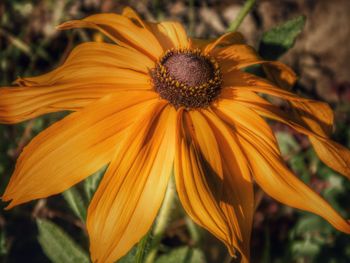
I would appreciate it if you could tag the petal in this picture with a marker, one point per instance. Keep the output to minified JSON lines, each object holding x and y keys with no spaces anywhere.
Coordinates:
{"x":235,"y":56}
{"x":204,"y":181}
{"x":247,"y":82}
{"x":75,"y":147}
{"x":170,"y":35}
{"x":268,"y":167}
{"x":122,"y":30}
{"x":131,"y":192}
{"x":316,"y":126}
{"x":315,"y":118}
{"x":100,"y":63}
{"x":237,"y":201}
{"x":225,"y":40}
{"x":91,"y":71}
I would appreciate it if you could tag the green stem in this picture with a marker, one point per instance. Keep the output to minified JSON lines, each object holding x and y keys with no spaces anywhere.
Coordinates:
{"x":141,"y":249}
{"x":162,"y":221}
{"x":248,"y":5}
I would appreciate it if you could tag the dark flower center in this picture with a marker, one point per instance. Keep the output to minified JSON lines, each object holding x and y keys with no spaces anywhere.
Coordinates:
{"x":187,"y":78}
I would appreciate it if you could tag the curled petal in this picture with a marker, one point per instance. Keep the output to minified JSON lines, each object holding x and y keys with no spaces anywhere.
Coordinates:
{"x":268,"y":167}
{"x":170,"y":35}
{"x":224,"y":40}
{"x":75,"y":147}
{"x":316,"y":126}
{"x":235,"y":56}
{"x":121,"y":29}
{"x":131,"y":192}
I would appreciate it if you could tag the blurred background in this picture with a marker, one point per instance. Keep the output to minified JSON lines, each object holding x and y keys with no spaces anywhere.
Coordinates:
{"x":30,"y":45}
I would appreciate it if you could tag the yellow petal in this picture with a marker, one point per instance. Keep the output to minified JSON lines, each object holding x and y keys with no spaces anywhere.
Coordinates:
{"x":122,"y":30}
{"x":131,"y":192}
{"x":75,"y":147}
{"x":205,"y":179}
{"x":170,"y":34}
{"x":268,"y":167}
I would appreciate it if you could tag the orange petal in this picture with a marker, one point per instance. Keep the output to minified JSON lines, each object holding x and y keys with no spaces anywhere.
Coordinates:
{"x":316,"y":126}
{"x":237,"y":201}
{"x":276,"y":71}
{"x":75,"y":147}
{"x":313,"y":117}
{"x":91,"y":71}
{"x":268,"y":167}
{"x":204,"y":180}
{"x":131,"y":192}
{"x":170,"y":34}
{"x":99,"y":63}
{"x":247,"y":82}
{"x":235,"y":56}
{"x":131,"y":14}
{"x":121,"y":29}
{"x":225,"y":40}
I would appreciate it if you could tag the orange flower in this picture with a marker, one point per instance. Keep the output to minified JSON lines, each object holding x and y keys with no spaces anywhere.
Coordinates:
{"x":154,"y":100}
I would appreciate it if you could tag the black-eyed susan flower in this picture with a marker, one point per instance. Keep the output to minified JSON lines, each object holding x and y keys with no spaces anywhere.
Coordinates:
{"x":154,"y":100}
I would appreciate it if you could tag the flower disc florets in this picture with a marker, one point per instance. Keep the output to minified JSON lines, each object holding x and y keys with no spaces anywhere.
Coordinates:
{"x":187,"y":78}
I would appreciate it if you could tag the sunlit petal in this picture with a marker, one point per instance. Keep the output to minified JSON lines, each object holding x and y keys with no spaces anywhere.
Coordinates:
{"x":131,"y":192}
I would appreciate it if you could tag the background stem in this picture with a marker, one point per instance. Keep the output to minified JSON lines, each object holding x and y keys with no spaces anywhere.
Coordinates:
{"x":162,"y":221}
{"x":248,"y":5}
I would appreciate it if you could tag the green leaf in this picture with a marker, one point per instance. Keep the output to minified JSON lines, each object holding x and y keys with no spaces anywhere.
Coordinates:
{"x":75,"y":202}
{"x":287,"y":143}
{"x":278,"y":40}
{"x":91,"y":183}
{"x":182,"y":255}
{"x":138,"y":253}
{"x":3,"y":245}
{"x":129,"y":257}
{"x":57,"y":245}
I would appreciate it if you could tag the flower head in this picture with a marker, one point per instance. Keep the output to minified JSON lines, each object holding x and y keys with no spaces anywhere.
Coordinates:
{"x":154,"y":100}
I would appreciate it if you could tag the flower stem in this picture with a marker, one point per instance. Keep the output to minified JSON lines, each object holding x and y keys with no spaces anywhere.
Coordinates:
{"x":248,"y":5}
{"x":162,"y":221}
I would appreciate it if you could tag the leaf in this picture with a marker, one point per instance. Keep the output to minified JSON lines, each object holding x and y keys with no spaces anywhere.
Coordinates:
{"x":280,"y":39}
{"x":91,"y":183}
{"x":57,"y":245}
{"x":3,"y":245}
{"x":138,"y":253}
{"x":129,"y":257}
{"x":182,"y":255}
{"x":287,"y":143}
{"x":75,"y":202}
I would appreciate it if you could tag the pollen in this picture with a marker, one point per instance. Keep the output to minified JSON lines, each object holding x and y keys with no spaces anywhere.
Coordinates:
{"x":187,"y":78}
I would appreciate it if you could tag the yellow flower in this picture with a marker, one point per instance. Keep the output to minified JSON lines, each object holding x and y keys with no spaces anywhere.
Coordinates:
{"x":153,"y":100}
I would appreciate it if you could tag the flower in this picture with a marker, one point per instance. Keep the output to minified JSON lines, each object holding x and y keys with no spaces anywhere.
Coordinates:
{"x":154,"y":100}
